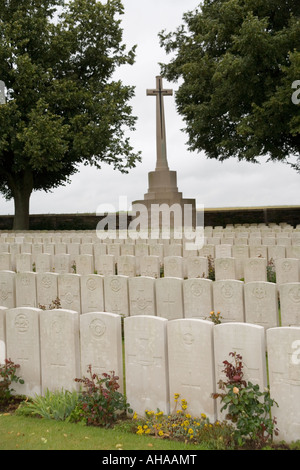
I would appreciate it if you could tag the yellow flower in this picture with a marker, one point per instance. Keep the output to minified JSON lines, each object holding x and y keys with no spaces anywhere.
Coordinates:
{"x":134,"y":416}
{"x":184,"y":407}
{"x":203,"y":415}
{"x":188,"y":416}
{"x":160,"y":433}
{"x":190,"y":431}
{"x":186,"y":423}
{"x":235,"y":390}
{"x":145,"y":426}
{"x":176,"y":396}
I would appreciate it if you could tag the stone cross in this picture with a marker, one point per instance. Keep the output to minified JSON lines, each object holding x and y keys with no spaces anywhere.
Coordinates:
{"x":159,"y":92}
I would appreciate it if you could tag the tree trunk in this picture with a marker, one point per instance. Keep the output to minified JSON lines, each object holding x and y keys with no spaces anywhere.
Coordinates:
{"x":22,"y":190}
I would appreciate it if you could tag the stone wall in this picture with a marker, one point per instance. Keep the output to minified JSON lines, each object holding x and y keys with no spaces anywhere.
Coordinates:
{"x":213,"y":217}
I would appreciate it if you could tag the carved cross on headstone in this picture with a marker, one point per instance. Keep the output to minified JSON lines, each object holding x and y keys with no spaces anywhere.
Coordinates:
{"x":161,"y":145}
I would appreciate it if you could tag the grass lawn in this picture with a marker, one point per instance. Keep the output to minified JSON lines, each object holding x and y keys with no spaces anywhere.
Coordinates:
{"x":23,"y":433}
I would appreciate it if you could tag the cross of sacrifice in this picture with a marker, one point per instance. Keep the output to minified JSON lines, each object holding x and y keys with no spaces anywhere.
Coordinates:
{"x":161,"y":145}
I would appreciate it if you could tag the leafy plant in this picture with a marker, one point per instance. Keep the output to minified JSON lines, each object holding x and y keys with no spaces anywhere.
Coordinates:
{"x":211,"y":268}
{"x":7,"y":376}
{"x":57,"y":405}
{"x":100,"y":404}
{"x":271,"y":273}
{"x":248,"y":408}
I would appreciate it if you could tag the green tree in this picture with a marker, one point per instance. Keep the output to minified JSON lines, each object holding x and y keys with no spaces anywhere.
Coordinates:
{"x":237,"y":61}
{"x":63,"y":107}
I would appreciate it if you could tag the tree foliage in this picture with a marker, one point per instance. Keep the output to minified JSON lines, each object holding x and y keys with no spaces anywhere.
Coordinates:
{"x":237,"y":61}
{"x":63,"y":107}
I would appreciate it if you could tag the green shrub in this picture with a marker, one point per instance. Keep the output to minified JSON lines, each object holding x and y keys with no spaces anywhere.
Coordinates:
{"x":100,"y":404}
{"x":248,"y":408}
{"x":7,"y":376}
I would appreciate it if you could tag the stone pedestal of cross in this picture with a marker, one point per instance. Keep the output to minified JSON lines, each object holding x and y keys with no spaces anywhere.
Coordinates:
{"x":163,"y":190}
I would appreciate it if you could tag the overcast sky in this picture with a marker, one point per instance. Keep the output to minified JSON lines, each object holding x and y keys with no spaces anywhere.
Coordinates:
{"x":214,"y":184}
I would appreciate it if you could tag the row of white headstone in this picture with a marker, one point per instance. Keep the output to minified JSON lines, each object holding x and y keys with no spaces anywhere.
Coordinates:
{"x":215,"y":246}
{"x":171,"y":298}
{"x":240,"y":267}
{"x":162,"y":358}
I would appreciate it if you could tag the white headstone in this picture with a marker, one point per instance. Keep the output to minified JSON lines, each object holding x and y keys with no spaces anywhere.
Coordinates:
{"x":196,"y":266}
{"x":46,"y":289}
{"x":260,"y":251}
{"x":60,"y":248}
{"x":43,"y":263}
{"x":142,"y":296}
{"x":173,"y":266}
{"x":223,"y":251}
{"x":62,"y":263}
{"x":60,"y":349}
{"x":157,"y":250}
{"x":255,"y":269}
{"x":105,"y":265}
{"x":150,"y":266}
{"x":126,"y":265}
{"x":169,"y":298}
{"x":290,"y":304}
{"x":5,"y":262}
{"x":84,"y":264}
{"x":23,"y":348}
{"x":73,"y":249}
{"x":197,"y":298}
{"x":23,"y":262}
{"x":240,"y":253}
{"x":92,"y":294}
{"x":174,"y":249}
{"x":207,"y":250}
{"x":228,"y":299}
{"x":225,"y":268}
{"x":116,"y":295}
{"x":261,"y":304}
{"x":69,"y":291}
{"x":101,"y":344}
{"x":275,"y":252}
{"x":191,"y":365}
{"x":146,"y":363}
{"x":249,"y":342}
{"x":7,"y":289}
{"x":287,"y":270}
{"x":26,"y":289}
{"x":283,"y":345}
